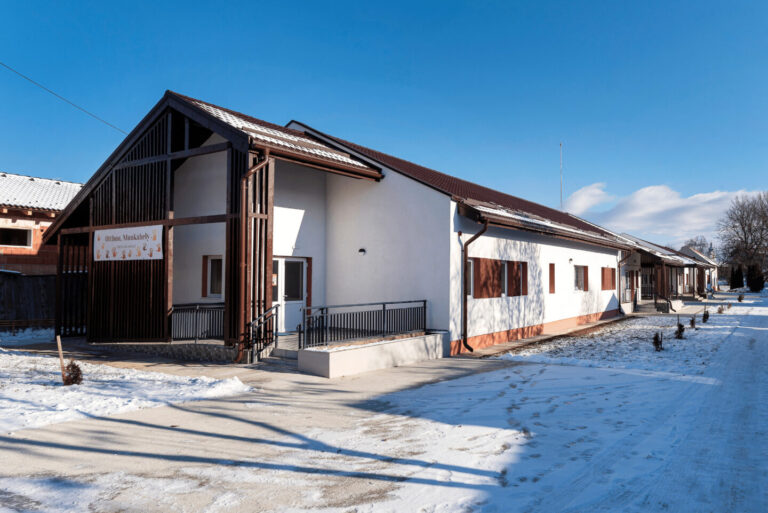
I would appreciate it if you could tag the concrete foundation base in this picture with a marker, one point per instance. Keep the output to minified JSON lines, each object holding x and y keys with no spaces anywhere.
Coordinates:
{"x":355,"y":359}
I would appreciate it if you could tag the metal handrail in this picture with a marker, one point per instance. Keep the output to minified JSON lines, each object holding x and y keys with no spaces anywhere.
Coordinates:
{"x":315,"y":307}
{"x":272,"y":314}
{"x":320,"y":326}
{"x":265,"y":314}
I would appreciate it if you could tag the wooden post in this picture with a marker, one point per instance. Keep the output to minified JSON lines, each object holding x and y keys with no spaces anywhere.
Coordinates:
{"x":58,"y":284}
{"x":168,"y":231}
{"x":61,"y":359}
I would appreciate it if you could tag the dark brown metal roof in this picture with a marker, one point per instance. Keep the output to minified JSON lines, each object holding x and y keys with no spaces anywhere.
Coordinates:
{"x":465,"y":190}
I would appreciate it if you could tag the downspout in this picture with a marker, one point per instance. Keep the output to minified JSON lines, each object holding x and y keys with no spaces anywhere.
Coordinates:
{"x":244,"y":251}
{"x":465,"y":289}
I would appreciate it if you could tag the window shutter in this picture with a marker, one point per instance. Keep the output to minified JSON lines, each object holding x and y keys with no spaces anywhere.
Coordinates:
{"x":476,"y":284}
{"x":551,"y":278}
{"x":513,"y":279}
{"x":586,"y":277}
{"x":613,"y":278}
{"x":487,"y":277}
{"x":205,"y":277}
{"x":524,"y":271}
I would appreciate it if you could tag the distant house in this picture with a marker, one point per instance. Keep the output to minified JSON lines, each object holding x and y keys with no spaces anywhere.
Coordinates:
{"x":655,"y":277}
{"x":709,"y":266}
{"x":206,"y":222}
{"x":28,"y":205}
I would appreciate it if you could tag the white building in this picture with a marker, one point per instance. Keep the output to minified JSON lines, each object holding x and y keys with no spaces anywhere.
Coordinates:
{"x":328,"y":223}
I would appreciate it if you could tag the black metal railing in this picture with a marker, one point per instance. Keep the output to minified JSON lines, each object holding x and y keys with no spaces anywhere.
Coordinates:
{"x":324,"y":325}
{"x":197,"y":321}
{"x":262,"y":331}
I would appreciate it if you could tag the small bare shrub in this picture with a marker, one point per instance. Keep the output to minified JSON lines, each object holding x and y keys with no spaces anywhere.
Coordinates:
{"x":720,"y":309}
{"x":705,"y":316}
{"x":679,"y":331}
{"x":73,"y":374}
{"x":693,"y":322}
{"x":741,"y":298}
{"x":657,"y":341}
{"x":728,"y":306}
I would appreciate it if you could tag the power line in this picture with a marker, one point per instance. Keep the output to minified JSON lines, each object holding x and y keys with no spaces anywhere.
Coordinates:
{"x":41,"y":86}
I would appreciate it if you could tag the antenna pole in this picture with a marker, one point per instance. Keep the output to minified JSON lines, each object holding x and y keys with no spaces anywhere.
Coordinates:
{"x":561,"y":175}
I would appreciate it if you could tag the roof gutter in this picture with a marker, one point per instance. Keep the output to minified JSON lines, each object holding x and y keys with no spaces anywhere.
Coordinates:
{"x":478,"y":216}
{"x":465,"y":259}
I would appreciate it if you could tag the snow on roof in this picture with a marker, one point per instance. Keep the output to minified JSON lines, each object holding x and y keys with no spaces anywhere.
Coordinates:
{"x":540,"y":222}
{"x":698,"y":255}
{"x":667,"y":254}
{"x":38,"y":193}
{"x":276,"y":135}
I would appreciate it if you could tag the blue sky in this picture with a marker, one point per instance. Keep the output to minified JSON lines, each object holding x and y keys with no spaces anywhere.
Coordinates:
{"x":661,"y":105}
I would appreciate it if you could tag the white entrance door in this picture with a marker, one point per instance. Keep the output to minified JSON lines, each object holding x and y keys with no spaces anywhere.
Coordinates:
{"x":289,"y":289}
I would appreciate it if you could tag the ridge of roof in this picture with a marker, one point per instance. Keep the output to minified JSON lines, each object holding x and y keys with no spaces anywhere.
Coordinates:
{"x":464,"y":189}
{"x":257,"y":121}
{"x":276,"y":136}
{"x":6,"y":173}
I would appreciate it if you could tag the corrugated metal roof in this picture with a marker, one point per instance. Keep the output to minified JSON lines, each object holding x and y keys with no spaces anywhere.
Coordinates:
{"x":276,"y":135}
{"x":668,"y":255}
{"x":37,"y":193}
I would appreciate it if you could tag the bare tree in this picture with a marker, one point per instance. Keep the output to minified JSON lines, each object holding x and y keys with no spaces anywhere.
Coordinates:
{"x":699,"y":243}
{"x":743,"y":230}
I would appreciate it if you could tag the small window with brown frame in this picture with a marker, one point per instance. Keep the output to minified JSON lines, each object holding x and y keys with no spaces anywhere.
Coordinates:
{"x":551,"y":278}
{"x":608,"y":278}
{"x":213,"y":276}
{"x":581,"y":277}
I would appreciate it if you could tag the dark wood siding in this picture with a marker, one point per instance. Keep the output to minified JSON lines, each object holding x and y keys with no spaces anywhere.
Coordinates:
{"x":72,"y":286}
{"x":237,"y":166}
{"x":129,"y":297}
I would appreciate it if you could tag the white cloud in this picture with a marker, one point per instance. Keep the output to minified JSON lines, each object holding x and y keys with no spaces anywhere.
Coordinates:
{"x":587,"y":198}
{"x":657,"y":213}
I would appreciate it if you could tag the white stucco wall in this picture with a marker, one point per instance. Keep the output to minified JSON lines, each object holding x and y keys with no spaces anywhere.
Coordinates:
{"x":300,"y":219}
{"x":200,"y":189}
{"x":404,"y":227}
{"x":490,"y":315}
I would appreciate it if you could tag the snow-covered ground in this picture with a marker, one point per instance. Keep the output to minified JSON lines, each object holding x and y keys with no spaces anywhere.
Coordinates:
{"x":25,"y":337}
{"x":604,"y":424}
{"x":31,"y":393}
{"x":629,"y":345}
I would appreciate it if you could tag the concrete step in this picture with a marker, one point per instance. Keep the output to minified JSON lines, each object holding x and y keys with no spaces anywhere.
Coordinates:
{"x":277,"y":363}
{"x":290,"y":354}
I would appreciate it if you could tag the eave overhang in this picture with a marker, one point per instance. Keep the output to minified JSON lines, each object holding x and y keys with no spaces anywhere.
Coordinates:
{"x":479,"y":213}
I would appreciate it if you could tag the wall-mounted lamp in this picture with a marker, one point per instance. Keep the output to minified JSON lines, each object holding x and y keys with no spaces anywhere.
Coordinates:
{"x":570,"y":260}
{"x":361,"y":251}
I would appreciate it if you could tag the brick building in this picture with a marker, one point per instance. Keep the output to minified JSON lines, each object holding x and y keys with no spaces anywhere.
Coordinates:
{"x":28,"y":205}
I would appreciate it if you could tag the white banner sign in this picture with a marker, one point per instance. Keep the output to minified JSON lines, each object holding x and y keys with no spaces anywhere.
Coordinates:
{"x":137,"y":243}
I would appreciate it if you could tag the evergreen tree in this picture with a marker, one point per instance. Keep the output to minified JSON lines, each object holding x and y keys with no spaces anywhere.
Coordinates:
{"x":755,"y":278}
{"x":737,"y":277}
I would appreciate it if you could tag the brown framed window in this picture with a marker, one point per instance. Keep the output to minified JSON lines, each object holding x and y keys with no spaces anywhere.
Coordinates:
{"x":486,"y":278}
{"x":517,"y":278}
{"x":213,"y":276}
{"x":551,"y":278}
{"x":581,"y":277}
{"x":608,"y":278}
